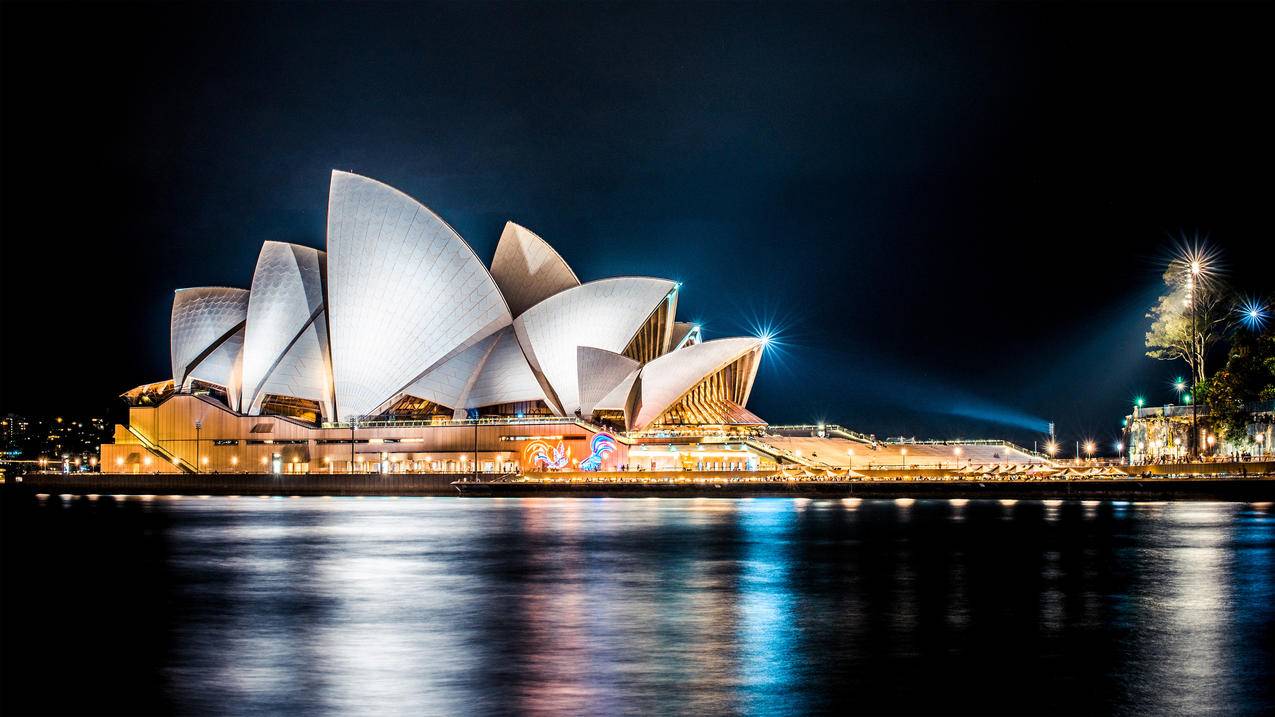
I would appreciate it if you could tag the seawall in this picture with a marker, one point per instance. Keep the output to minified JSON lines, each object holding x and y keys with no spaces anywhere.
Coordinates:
{"x":1213,"y":487}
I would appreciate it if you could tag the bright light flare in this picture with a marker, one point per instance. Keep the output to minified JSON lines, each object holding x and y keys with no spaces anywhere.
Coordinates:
{"x":1051,"y":448}
{"x":1253,"y":314}
{"x":1199,"y":261}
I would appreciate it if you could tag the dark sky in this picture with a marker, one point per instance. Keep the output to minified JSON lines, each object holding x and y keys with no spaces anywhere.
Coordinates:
{"x":955,"y":215}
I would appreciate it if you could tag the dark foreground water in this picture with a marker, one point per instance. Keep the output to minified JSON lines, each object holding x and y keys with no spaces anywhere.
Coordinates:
{"x":544,"y":606}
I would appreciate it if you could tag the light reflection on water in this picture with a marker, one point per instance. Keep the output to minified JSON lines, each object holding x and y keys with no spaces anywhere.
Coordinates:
{"x":764,"y":606}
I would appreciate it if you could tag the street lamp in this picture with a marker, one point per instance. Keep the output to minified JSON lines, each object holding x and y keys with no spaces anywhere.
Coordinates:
{"x":1051,"y":448}
{"x":1195,"y":268}
{"x":850,"y":452}
{"x":1261,"y":439}
{"x":1089,"y":449}
{"x":1179,"y":384}
{"x":903,"y":453}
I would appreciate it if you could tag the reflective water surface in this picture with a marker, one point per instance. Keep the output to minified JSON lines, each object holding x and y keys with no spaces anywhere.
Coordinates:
{"x":546,"y":606}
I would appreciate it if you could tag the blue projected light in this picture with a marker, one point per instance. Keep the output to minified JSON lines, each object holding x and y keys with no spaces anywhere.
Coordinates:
{"x":600,"y":447}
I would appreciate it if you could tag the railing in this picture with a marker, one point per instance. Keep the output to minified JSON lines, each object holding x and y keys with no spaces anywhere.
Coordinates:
{"x":827,"y":428}
{"x":160,"y":451}
{"x":417,"y":423}
{"x":774,"y":450}
{"x":972,"y":442}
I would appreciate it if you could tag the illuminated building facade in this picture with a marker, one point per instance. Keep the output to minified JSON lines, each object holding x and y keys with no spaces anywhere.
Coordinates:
{"x":398,"y":349}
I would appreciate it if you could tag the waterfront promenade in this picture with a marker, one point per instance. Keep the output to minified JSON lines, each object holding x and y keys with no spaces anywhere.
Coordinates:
{"x":1212,"y":481}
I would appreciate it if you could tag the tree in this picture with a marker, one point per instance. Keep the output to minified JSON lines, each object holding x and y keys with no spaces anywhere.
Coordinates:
{"x":1171,"y":337}
{"x":1247,"y":378}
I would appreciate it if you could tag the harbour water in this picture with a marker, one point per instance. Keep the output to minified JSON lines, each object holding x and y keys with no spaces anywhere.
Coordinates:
{"x":645,"y":606}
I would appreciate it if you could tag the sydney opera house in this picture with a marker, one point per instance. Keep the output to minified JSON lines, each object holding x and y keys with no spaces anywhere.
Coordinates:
{"x":399,"y":350}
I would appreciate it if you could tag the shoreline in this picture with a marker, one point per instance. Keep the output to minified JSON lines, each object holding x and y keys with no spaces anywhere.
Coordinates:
{"x":1214,"y":487}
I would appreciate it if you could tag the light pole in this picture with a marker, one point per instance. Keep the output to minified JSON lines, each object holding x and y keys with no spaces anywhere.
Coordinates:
{"x":353,"y":425}
{"x":199,"y":424}
{"x":1195,"y":346}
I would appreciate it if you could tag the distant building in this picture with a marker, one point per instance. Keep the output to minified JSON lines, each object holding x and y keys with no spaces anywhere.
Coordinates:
{"x":51,"y":442}
{"x":1158,"y":434}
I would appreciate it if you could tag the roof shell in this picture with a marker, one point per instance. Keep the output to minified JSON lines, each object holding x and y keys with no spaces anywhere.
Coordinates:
{"x":449,"y":383}
{"x":669,"y":377}
{"x":286,"y":299}
{"x":202,"y":319}
{"x":405,"y":292}
{"x":302,"y":372}
{"x":600,"y":371}
{"x":604,"y":314}
{"x":527,"y":269}
{"x":505,"y":377}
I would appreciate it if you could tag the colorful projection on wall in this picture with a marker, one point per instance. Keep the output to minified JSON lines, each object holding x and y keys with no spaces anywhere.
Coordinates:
{"x":600,"y":447}
{"x":544,"y":457}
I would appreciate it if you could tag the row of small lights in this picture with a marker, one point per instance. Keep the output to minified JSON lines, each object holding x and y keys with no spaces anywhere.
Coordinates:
{"x":234,"y":460}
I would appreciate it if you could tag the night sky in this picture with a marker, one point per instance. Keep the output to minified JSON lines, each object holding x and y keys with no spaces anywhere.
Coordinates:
{"x":955,"y":216}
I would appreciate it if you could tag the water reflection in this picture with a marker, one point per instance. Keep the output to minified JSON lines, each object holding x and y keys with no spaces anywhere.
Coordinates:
{"x":551,"y":606}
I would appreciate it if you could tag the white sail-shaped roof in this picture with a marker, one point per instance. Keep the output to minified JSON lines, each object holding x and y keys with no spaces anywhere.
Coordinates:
{"x":302,"y":372}
{"x":505,"y":377}
{"x":286,"y":300}
{"x":405,"y":292}
{"x":604,"y":314}
{"x":669,"y":377}
{"x":600,"y":371}
{"x":224,"y":367}
{"x":202,"y":320}
{"x":617,"y":399}
{"x":527,"y":269}
{"x":449,"y":383}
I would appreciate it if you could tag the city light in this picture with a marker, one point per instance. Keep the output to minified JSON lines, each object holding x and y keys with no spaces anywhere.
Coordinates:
{"x":1139,"y":402}
{"x":1051,"y":448}
{"x":1090,"y":447}
{"x":1179,"y":383}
